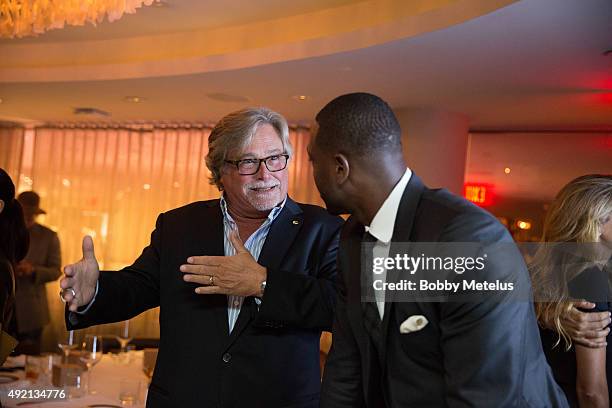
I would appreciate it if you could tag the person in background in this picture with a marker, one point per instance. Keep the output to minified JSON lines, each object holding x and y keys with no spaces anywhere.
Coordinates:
{"x":582,"y":214}
{"x":42,"y":264}
{"x":14,"y":240}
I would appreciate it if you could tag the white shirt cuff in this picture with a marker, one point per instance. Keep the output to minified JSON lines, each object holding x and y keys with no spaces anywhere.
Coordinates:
{"x":91,"y":302}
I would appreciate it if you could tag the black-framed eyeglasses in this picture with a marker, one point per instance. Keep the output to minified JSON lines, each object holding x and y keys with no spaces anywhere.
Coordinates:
{"x":248,"y":167}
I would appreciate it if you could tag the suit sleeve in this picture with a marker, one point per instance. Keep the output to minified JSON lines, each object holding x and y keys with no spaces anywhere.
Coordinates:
{"x":300,"y":300}
{"x":126,"y":293}
{"x":51,"y":270}
{"x":342,"y":379}
{"x":482,"y":342}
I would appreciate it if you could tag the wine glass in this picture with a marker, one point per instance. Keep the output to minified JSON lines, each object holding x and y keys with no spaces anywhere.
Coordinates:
{"x":124,"y":338}
{"x":91,"y":354}
{"x":67,"y":345}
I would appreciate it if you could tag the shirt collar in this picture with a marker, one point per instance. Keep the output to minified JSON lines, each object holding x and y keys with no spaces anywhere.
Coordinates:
{"x":383,"y":222}
{"x":271,"y":216}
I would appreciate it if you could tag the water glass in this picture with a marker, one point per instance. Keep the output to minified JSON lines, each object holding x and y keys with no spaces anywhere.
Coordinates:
{"x":129,"y":391}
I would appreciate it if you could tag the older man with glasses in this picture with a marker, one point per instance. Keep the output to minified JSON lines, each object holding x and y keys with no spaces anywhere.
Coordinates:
{"x":245,"y":282}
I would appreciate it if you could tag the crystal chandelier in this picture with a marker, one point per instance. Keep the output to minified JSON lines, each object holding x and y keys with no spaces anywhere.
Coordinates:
{"x":21,"y":18}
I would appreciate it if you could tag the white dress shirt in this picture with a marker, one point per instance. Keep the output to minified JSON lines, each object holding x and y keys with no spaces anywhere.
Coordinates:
{"x":381,"y":228}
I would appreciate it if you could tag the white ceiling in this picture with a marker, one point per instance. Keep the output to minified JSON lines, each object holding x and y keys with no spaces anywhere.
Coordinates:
{"x":532,"y":64}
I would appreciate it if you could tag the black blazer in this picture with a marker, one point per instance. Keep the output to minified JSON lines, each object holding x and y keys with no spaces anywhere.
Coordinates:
{"x":271,"y":358}
{"x":471,"y":354}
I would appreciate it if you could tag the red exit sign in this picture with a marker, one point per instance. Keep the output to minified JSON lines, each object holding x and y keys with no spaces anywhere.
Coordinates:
{"x":480,"y":194}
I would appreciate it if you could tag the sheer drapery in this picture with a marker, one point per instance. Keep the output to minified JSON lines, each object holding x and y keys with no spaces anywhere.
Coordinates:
{"x":11,"y":151}
{"x":112,"y":183}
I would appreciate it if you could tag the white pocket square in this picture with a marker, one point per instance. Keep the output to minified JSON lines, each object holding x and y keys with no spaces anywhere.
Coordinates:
{"x":413,"y":324}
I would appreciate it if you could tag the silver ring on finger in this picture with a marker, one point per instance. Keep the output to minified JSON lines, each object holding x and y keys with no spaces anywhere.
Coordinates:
{"x":211,"y":280}
{"x":63,"y":292}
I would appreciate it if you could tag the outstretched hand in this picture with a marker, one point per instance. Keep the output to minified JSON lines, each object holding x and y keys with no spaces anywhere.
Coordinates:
{"x":79,"y":281}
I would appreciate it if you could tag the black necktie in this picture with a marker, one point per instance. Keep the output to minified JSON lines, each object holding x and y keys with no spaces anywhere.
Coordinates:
{"x":371,"y":316}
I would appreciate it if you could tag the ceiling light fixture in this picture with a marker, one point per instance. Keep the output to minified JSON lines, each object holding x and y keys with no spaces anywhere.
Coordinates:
{"x":22,"y":18}
{"x":90,"y":111}
{"x":134,"y":99}
{"x":225,"y":97}
{"x":300,"y":97}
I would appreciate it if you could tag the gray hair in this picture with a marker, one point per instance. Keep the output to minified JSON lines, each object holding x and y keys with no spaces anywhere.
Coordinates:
{"x":235,"y":131}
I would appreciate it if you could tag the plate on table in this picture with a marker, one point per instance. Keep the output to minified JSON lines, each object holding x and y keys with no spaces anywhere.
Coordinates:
{"x":8,"y":378}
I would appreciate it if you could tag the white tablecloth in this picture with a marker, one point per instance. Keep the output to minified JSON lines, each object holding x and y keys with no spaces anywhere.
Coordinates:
{"x":106,"y":379}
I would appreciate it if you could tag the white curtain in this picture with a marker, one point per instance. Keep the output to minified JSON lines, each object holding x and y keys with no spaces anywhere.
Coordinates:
{"x":112,"y":182}
{"x":11,"y":151}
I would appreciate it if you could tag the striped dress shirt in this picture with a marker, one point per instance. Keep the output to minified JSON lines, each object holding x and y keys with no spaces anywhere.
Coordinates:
{"x":253,"y":244}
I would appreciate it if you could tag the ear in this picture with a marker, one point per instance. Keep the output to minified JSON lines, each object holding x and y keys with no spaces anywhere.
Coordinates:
{"x":1,"y":206}
{"x":341,"y":168}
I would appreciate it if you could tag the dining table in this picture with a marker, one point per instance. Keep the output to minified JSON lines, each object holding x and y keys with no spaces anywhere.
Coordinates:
{"x":108,"y":379}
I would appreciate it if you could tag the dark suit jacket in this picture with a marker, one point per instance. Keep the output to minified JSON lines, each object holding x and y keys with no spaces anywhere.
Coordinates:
{"x":271,"y":358}
{"x":31,"y":305}
{"x":471,"y":354}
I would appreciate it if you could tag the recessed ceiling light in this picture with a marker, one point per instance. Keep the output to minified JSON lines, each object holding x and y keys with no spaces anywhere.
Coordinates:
{"x":90,"y":111}
{"x":300,"y":97}
{"x":134,"y":99}
{"x":223,"y":97}
{"x":507,"y":170}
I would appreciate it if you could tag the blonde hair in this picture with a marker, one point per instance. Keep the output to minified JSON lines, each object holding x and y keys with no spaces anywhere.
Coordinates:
{"x":575,"y":216}
{"x":235,"y":131}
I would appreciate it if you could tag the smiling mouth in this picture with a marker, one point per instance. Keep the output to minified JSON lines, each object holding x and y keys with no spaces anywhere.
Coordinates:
{"x":263,"y":189}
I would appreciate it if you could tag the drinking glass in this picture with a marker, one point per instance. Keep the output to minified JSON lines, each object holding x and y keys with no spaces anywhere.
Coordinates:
{"x":91,"y":354}
{"x":67,"y":344}
{"x":124,"y":338}
{"x":129,"y":391}
{"x":32,"y":368}
{"x":148,"y":362}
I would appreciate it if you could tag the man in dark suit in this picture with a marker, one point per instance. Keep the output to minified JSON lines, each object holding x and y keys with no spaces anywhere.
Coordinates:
{"x":482,"y":351}
{"x":245,"y":283}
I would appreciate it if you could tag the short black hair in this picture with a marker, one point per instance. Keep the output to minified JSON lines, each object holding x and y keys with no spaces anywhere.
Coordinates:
{"x":358,"y":123}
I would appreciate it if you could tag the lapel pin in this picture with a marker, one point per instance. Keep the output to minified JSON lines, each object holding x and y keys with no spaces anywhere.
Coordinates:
{"x":295,"y":222}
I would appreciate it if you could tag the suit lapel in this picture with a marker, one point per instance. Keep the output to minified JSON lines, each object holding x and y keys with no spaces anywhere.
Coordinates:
{"x":213,"y":222}
{"x":281,"y":235}
{"x":402,"y":230}
{"x":351,"y":263}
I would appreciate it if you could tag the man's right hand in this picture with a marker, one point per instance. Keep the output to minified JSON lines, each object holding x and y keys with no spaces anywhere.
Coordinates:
{"x":586,"y":329}
{"x":81,"y":277}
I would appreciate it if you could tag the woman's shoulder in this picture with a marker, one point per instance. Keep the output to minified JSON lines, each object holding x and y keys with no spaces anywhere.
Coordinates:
{"x":591,"y":284}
